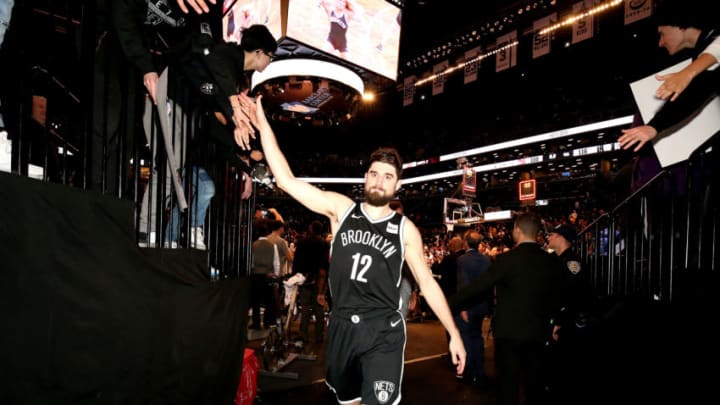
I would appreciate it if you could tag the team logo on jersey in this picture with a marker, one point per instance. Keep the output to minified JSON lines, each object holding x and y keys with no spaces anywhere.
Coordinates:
{"x":392,"y":228}
{"x":383,"y":390}
{"x":574,"y":266}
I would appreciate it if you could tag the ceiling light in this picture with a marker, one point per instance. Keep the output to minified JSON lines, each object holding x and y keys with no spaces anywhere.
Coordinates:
{"x":308,"y":68}
{"x":309,"y":88}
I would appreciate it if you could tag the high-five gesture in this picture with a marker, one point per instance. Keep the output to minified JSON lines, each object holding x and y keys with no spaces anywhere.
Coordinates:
{"x":198,"y":5}
{"x":254,"y":109}
{"x":243,"y":112}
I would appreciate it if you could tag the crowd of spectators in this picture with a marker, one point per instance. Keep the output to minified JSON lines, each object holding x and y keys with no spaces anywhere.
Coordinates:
{"x":496,"y":236}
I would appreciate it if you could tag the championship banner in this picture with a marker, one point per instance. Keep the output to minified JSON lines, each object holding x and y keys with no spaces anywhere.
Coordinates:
{"x":471,"y":65}
{"x":409,"y":90}
{"x":527,"y":190}
{"x":506,"y":58}
{"x":541,"y":43}
{"x":636,"y":10}
{"x":439,"y":80}
{"x":469,"y":182}
{"x":582,"y":28}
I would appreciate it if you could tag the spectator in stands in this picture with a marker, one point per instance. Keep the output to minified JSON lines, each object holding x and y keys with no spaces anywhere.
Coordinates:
{"x":148,"y":34}
{"x":264,"y":269}
{"x":277,"y":232}
{"x":203,"y":189}
{"x":311,"y":259}
{"x":682,"y":25}
{"x":214,"y":71}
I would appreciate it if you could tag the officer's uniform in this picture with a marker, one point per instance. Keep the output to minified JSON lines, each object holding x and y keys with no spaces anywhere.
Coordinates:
{"x":569,"y":356}
{"x":366,"y":334}
{"x":577,"y":284}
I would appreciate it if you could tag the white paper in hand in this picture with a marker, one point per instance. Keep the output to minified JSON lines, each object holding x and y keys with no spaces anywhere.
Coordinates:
{"x":678,"y":143}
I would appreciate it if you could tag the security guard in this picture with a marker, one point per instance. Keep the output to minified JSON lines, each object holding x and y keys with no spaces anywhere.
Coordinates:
{"x":528,"y":288}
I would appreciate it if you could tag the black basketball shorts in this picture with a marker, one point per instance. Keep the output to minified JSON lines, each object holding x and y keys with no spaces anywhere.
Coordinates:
{"x":365,"y":358}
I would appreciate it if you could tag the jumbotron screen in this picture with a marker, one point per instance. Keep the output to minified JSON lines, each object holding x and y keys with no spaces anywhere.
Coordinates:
{"x":240,"y":14}
{"x":363,"y":32}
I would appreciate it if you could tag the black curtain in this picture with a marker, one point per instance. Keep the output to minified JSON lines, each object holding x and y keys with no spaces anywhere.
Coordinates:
{"x":88,"y":317}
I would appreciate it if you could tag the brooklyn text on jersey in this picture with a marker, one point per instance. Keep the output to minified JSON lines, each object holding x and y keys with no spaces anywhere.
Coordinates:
{"x":368,"y":238}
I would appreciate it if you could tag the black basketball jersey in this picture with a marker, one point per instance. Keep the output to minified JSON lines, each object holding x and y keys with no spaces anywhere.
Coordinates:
{"x":366,"y":261}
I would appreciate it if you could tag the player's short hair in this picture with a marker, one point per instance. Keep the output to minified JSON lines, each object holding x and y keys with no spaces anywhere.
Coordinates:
{"x":389,"y":156}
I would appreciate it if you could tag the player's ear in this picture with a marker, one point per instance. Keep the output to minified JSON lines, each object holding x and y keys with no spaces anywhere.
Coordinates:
{"x":398,"y":185}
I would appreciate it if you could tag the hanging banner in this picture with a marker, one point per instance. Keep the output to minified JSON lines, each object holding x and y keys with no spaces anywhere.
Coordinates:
{"x":582,"y":28}
{"x":636,"y":10}
{"x":439,"y":80}
{"x":506,"y":58}
{"x":471,"y":65}
{"x":409,"y":90}
{"x":469,"y":182}
{"x":526,"y":190}
{"x":541,"y":43}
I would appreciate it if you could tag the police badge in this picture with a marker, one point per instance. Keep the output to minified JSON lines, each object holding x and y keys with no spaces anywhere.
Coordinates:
{"x":207,"y":88}
{"x":574,"y":266}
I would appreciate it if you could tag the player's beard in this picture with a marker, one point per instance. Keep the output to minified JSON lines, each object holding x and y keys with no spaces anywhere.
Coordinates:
{"x":376,"y":198}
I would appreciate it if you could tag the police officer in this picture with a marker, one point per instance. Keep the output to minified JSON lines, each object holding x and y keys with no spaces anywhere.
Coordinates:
{"x":576,"y":280}
{"x":570,"y":331}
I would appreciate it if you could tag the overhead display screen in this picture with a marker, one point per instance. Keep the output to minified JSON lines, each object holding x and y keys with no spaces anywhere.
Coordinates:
{"x":240,"y":14}
{"x":363,"y":32}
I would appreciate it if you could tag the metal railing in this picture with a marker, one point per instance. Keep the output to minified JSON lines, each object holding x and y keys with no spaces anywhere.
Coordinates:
{"x":73,"y":107}
{"x":662,"y":235}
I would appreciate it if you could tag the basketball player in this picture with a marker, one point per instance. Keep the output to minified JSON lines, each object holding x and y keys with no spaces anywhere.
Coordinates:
{"x":366,"y":333}
{"x":339,"y":13}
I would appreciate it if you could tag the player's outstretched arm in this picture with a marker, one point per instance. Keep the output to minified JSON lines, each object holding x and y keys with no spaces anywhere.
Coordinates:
{"x":327,"y":203}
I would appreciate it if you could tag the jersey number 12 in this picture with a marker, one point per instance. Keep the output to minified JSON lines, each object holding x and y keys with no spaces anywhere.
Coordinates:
{"x":360,"y":260}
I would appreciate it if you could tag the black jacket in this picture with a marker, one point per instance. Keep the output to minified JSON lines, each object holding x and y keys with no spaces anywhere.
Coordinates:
{"x":448,"y":271}
{"x":154,"y":33}
{"x":213,"y":70}
{"x":148,"y":29}
{"x":311,"y":255}
{"x":528,"y":287}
